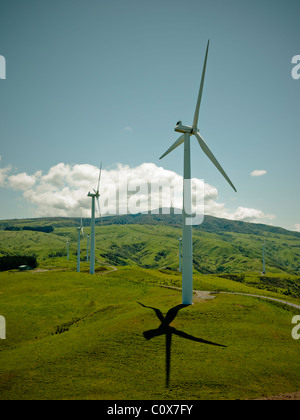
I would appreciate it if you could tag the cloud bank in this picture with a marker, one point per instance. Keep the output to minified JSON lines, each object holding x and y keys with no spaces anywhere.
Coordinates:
{"x":297,"y":227}
{"x":63,"y":191}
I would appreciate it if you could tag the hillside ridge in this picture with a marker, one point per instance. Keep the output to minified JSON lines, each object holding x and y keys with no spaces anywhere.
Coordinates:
{"x":209,"y":224}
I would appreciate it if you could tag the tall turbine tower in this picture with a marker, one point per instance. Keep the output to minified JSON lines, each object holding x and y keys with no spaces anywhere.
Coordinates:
{"x":180,"y":254}
{"x":264,"y":258}
{"x":187,"y":241}
{"x":80,"y":231}
{"x":68,"y":243}
{"x":87,"y":247}
{"x":94,"y":196}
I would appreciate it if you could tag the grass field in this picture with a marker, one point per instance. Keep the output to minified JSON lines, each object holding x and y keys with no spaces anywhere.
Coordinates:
{"x":75,"y":336}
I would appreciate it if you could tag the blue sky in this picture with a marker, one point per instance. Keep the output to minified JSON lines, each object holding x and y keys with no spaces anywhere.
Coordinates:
{"x":106,"y":81}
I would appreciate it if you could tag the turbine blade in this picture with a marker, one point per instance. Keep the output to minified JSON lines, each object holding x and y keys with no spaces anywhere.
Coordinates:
{"x":157,"y":311}
{"x":81,"y":226}
{"x":176,"y":144}
{"x":153,"y":333}
{"x":99,"y":177}
{"x":192,"y":338}
{"x":172,"y":313}
{"x":210,"y":155}
{"x":195,"y":122}
{"x":98,"y":205}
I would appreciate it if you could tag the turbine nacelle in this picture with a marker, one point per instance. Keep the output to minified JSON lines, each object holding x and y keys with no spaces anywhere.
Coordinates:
{"x":96,"y":194}
{"x":183,"y":128}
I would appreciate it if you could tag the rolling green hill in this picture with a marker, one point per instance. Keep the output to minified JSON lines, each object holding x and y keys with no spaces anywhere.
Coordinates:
{"x":151,"y":241}
{"x":74,"y":336}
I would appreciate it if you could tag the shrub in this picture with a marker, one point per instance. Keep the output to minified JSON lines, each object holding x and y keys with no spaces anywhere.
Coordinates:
{"x":45,"y":229}
{"x":14,"y":261}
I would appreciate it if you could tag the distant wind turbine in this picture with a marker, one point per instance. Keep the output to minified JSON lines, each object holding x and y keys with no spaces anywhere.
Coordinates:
{"x":80,"y":231}
{"x":187,"y":244}
{"x":264,"y":258}
{"x":87,"y":247}
{"x":68,"y":243}
{"x":180,"y":254}
{"x":94,"y":196}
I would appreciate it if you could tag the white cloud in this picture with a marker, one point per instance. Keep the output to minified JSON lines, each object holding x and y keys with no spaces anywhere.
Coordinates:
{"x":259,"y":172}
{"x":3,"y":175}
{"x":63,"y":191}
{"x":251,"y":215}
{"x":297,"y":227}
{"x":244,"y":214}
{"x":21,"y":181}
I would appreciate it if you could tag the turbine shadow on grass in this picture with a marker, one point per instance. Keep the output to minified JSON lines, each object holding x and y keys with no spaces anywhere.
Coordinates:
{"x":165,"y":329}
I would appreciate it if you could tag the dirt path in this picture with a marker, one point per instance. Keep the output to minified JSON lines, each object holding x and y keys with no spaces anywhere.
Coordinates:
{"x":109,"y":271}
{"x":263,"y":297}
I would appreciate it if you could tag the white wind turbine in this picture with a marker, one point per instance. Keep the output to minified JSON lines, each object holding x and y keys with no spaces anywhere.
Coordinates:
{"x":264,"y":258}
{"x":94,"y":196}
{"x":180,"y":253}
{"x":80,"y":231}
{"x":187,"y":244}
{"x":87,"y":247}
{"x":68,"y":243}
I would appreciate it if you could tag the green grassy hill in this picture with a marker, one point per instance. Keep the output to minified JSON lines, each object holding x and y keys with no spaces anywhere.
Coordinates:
{"x":151,"y":241}
{"x":71,"y":335}
{"x":76,"y":336}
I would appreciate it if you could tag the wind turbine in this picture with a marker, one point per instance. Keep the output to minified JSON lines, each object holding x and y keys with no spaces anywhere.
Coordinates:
{"x":180,"y":254}
{"x":87,"y":247}
{"x":187,"y":244}
{"x":94,"y":196}
{"x":80,"y":231}
{"x":68,"y":249}
{"x":264,"y":258}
